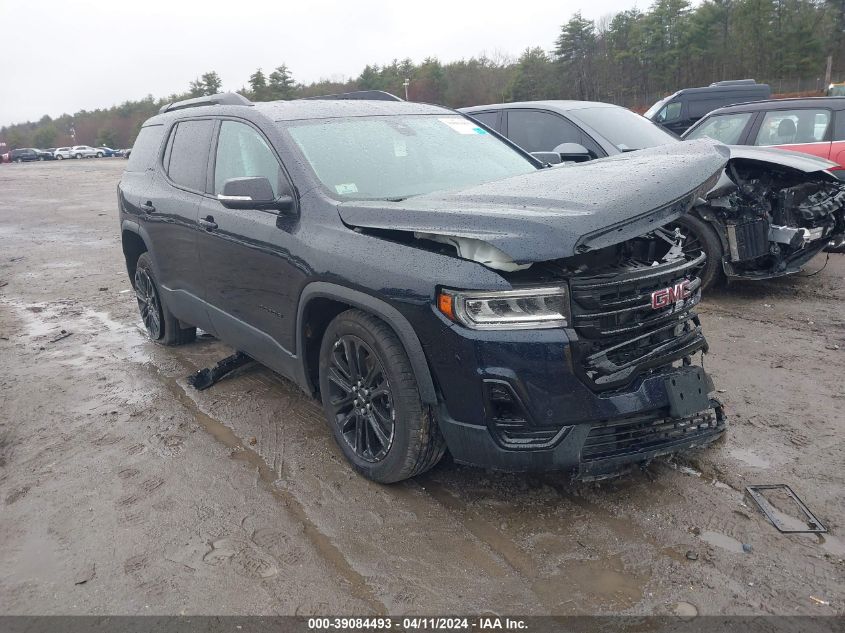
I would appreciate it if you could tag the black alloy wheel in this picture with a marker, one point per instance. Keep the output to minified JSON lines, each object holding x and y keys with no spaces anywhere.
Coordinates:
{"x":360,"y":398}
{"x":148,"y":303}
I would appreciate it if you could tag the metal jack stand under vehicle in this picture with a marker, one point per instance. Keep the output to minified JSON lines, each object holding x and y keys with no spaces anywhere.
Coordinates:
{"x":813,"y":525}
{"x":205,"y":378}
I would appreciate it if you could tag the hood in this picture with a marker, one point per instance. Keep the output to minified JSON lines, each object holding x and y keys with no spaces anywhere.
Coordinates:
{"x":806,"y":163}
{"x":559,"y":212}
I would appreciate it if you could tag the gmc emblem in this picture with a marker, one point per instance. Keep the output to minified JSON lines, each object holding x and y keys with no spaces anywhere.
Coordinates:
{"x":667,"y":296}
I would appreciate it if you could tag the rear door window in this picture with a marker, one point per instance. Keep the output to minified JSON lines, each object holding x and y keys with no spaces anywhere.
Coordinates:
{"x":786,"y":127}
{"x":242,"y":152}
{"x":187,"y":154}
{"x":725,"y":128}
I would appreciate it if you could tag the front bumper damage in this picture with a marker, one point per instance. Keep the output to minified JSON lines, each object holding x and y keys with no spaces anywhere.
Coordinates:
{"x":773,"y":217}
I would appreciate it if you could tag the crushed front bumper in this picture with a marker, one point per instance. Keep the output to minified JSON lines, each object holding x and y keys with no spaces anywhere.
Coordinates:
{"x":588,"y":451}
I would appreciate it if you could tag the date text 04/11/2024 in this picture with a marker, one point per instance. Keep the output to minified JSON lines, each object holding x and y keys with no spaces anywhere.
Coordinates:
{"x":418,"y":624}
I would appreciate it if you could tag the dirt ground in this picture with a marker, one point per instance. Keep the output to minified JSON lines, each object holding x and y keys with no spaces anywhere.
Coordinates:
{"x":122,"y":491}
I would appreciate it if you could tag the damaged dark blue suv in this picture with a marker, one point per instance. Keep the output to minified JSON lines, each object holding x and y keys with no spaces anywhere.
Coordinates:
{"x":435,"y":285}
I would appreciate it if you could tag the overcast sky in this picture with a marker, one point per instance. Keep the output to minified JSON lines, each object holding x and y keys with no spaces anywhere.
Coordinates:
{"x":60,"y":56}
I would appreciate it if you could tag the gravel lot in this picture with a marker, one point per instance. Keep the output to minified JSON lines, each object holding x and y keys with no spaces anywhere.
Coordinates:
{"x":122,"y":491}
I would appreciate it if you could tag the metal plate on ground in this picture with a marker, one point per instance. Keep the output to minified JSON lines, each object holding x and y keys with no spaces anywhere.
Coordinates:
{"x":688,"y":392}
{"x":783,"y":521}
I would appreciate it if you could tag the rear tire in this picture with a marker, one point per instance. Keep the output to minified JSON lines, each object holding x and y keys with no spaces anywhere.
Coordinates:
{"x":372,"y":402}
{"x":78,"y":156}
{"x":162,"y":327}
{"x":701,"y":237}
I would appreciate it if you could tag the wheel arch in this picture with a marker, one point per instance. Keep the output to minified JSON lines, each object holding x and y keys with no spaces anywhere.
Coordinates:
{"x":133,"y":246}
{"x":334,"y":299}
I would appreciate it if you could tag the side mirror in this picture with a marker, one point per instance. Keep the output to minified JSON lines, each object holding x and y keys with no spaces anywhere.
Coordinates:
{"x":573,"y":152}
{"x":550,"y":158}
{"x":253,"y":193}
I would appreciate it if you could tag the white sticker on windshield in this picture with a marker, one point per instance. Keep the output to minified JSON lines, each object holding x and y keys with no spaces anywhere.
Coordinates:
{"x":400,"y":149}
{"x":349,"y":187}
{"x":462,"y":126}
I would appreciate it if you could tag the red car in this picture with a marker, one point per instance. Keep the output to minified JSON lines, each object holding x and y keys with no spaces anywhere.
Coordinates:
{"x":814,"y":125}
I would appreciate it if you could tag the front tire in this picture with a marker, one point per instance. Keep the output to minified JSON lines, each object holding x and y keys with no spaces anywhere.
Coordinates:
{"x":99,"y":154}
{"x":59,"y":157}
{"x":162,"y":327}
{"x":372,"y":402}
{"x":78,"y":156}
{"x":701,"y":237}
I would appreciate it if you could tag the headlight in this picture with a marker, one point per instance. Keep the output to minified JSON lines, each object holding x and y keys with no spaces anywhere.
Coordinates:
{"x":506,"y":310}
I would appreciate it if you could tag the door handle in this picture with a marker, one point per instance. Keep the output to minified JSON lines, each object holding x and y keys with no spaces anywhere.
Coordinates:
{"x":208,"y":223}
{"x":148,"y":207}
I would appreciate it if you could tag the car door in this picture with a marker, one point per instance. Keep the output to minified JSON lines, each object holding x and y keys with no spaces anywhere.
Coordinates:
{"x":806,"y":130}
{"x":170,"y":208}
{"x":252,"y":276}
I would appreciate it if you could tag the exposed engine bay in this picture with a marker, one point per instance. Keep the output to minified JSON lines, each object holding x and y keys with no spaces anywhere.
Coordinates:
{"x":772,"y":219}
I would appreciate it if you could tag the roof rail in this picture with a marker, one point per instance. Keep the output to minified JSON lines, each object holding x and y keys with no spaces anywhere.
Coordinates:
{"x":735,"y":82}
{"x":363,"y":95}
{"x":222,"y":98}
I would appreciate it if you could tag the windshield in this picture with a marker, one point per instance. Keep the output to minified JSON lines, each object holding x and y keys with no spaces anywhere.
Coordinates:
{"x":624,"y":129}
{"x":394,"y":157}
{"x":725,"y":128}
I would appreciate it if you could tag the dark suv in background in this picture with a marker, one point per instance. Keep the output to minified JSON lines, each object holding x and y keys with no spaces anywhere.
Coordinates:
{"x":434,"y":284}
{"x":680,"y":110}
{"x":28,"y":154}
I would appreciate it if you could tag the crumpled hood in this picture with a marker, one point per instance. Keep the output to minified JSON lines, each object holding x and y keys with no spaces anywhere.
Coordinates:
{"x":806,"y":163}
{"x":558,"y":212}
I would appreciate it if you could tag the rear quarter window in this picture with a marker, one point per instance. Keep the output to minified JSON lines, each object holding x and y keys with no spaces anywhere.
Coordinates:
{"x":490,"y":119}
{"x":144,"y":150}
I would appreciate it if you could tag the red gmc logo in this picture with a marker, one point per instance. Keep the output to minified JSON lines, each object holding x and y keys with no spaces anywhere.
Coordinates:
{"x":667,"y":296}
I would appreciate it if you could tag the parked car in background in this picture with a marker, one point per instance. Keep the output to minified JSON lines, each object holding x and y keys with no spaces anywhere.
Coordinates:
{"x":835,"y":90}
{"x":770,"y":215}
{"x":679,"y":111}
{"x":61,"y":153}
{"x":108,"y":152}
{"x":813,"y":125}
{"x":86,"y":151}
{"x":28,"y":154}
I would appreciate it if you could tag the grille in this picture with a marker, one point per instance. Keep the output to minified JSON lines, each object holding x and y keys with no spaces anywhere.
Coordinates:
{"x":640,"y":435}
{"x":621,"y":336}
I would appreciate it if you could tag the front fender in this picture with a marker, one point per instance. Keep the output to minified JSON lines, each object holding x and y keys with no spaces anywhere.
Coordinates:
{"x":376,"y":307}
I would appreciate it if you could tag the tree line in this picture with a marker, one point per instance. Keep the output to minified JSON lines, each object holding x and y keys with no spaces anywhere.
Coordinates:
{"x":632,"y":58}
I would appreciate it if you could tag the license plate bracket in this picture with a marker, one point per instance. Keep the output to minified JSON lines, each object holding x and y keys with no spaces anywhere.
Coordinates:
{"x":688,"y":392}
